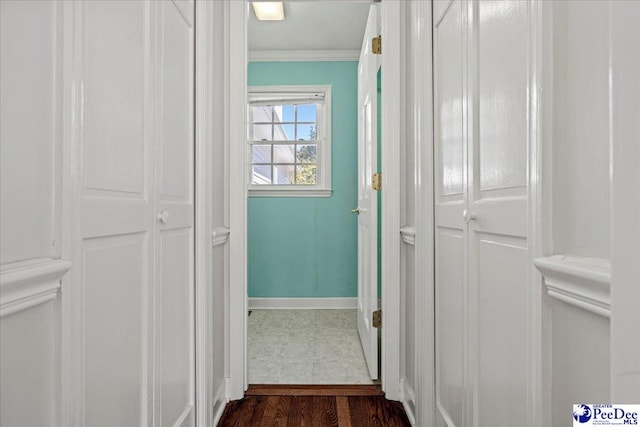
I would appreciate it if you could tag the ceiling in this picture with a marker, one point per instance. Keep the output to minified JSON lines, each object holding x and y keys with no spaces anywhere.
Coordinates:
{"x":311,"y":25}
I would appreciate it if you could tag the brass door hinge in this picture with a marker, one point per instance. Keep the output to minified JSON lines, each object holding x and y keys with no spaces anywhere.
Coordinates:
{"x":377,"y":319}
{"x":376,"y":45}
{"x":376,"y":181}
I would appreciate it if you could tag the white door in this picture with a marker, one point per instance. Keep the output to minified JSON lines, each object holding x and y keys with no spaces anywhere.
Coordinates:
{"x":136,"y":288}
{"x":367,"y":197}
{"x":483,"y":334}
{"x":174,"y":253}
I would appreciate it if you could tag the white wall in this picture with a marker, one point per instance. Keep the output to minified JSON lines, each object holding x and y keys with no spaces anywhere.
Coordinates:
{"x":30,"y":274}
{"x":30,"y":131}
{"x":578,"y":279}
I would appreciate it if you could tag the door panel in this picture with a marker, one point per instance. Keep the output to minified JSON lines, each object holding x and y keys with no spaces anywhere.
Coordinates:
{"x":117,"y":73}
{"x":448,"y":74}
{"x":117,"y":215}
{"x":481,"y":83}
{"x":175,"y":339}
{"x":502,"y":79}
{"x":450,"y":187}
{"x":450,"y":319}
{"x":115,"y":274}
{"x":367,"y":196}
{"x":501,"y":329}
{"x":174,"y":210}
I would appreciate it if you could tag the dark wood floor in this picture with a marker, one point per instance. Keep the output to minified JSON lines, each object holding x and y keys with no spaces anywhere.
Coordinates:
{"x":314,"y":406}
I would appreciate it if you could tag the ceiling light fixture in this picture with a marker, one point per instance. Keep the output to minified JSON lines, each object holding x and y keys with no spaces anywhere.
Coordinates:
{"x":269,"y":10}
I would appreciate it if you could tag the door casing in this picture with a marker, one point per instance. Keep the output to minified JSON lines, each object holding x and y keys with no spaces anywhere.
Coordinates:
{"x":391,"y":133}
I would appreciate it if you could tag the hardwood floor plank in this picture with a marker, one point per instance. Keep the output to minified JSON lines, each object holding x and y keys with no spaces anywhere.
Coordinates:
{"x":324,"y":411}
{"x":342,"y":405}
{"x":238,"y":413}
{"x":313,"y":390}
{"x":276,"y":412}
{"x":313,"y":411}
{"x":299,"y":412}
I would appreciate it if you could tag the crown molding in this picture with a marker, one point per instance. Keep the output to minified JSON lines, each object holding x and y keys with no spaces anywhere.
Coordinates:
{"x":303,"y":55}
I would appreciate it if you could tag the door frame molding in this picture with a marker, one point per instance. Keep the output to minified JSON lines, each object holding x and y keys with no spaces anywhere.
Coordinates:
{"x":236,"y":30}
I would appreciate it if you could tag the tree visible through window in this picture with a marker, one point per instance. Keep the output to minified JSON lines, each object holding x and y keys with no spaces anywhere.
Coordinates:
{"x":288,"y":140}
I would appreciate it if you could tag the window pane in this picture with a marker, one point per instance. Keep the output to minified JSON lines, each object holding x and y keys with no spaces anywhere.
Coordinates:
{"x":283,"y":154}
{"x":261,"y":154}
{"x":306,"y":133}
{"x":283,"y":132}
{"x":307,"y":112}
{"x":306,"y":174}
{"x":307,"y":153}
{"x":261,"y":174}
{"x":283,"y":174}
{"x":284,"y":113}
{"x":261,"y":133}
{"x":261,"y":113}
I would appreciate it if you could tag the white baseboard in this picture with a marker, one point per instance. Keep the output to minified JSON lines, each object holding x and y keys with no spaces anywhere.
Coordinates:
{"x":302,"y":303}
{"x":220,"y":401}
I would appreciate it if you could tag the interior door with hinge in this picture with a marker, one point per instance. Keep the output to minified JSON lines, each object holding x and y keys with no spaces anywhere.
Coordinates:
{"x":367,"y":209}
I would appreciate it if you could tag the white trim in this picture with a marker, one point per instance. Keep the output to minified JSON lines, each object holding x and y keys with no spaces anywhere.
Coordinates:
{"x":219,"y":402}
{"x":303,"y":303}
{"x":205,"y":42}
{"x":322,"y":188}
{"x":408,"y":400}
{"x":408,"y":235}
{"x":392,"y":116}
{"x":421,"y":40}
{"x":391,"y":131}
{"x":24,"y":285}
{"x":236,"y":43}
{"x":303,"y":55}
{"x":538,"y":323}
{"x":289,"y":192}
{"x":582,"y":282}
{"x":220,"y":236}
{"x":624,"y":90}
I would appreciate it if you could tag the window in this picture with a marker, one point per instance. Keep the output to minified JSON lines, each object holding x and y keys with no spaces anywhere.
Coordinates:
{"x":290,"y":141}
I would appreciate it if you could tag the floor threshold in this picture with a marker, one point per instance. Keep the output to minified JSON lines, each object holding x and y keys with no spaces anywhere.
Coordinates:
{"x":314,"y":390}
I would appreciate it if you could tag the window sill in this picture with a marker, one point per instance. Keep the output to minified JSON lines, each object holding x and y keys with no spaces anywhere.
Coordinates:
{"x":290,"y":192}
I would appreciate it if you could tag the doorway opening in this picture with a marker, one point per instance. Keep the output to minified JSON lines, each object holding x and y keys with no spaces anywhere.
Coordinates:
{"x":313,"y":218}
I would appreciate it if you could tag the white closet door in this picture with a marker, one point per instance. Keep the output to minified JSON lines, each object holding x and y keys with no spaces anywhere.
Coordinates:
{"x":117,"y":214}
{"x":499,"y":349}
{"x":483,"y":337}
{"x":450,"y":191}
{"x":137,"y":214}
{"x":174,"y":252}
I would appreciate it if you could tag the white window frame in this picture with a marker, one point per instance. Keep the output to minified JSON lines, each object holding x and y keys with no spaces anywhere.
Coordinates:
{"x":322,"y":187}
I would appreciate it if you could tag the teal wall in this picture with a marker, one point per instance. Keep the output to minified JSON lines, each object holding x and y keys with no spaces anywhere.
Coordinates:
{"x":307,"y":247}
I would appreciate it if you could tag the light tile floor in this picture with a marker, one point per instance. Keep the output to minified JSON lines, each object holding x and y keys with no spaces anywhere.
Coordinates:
{"x":305,"y":347}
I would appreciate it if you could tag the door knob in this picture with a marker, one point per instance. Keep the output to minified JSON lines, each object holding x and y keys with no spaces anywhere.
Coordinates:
{"x":163,"y":216}
{"x":469,"y":216}
{"x":356,"y":211}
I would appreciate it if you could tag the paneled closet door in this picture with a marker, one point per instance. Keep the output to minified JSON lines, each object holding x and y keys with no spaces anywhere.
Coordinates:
{"x":483,"y":336}
{"x":174,"y":251}
{"x":500,"y":338}
{"x":136,"y":249}
{"x":117,"y":216}
{"x":450,"y":199}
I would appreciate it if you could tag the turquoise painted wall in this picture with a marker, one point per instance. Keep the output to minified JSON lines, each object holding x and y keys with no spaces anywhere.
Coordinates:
{"x":307,"y":247}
